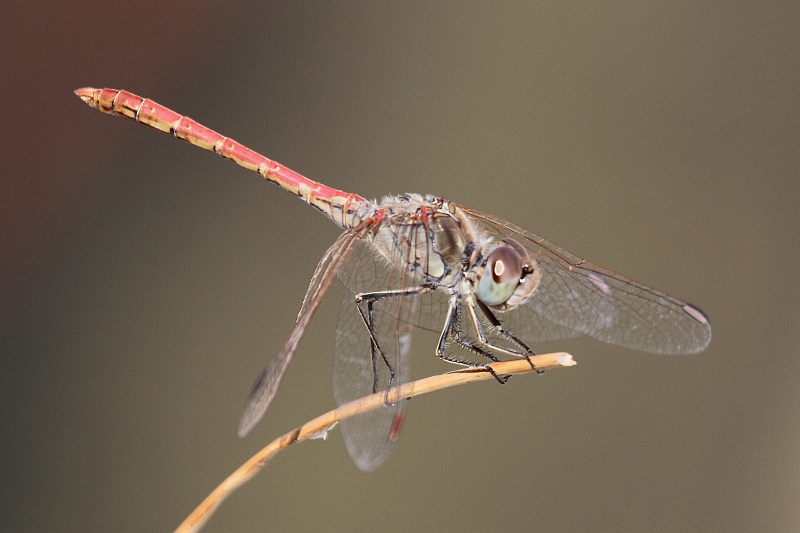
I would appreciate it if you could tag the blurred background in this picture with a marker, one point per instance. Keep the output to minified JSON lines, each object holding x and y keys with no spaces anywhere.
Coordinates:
{"x":145,"y":282}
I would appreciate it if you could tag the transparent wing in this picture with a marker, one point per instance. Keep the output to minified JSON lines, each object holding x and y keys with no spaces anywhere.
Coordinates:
{"x":360,"y":366}
{"x":265,"y":387}
{"x":582,"y":298}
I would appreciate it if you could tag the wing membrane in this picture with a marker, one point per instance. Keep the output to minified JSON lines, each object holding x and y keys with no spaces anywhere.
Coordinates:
{"x":587,"y":299}
{"x":359,"y":367}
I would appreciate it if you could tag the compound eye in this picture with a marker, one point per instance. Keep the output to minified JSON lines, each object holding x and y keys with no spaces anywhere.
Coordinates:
{"x":500,"y":276}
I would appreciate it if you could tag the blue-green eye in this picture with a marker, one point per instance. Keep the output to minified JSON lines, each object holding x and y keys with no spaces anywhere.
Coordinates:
{"x":500,"y":276}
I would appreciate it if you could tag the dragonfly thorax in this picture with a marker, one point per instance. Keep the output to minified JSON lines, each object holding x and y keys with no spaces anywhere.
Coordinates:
{"x":437,"y":241}
{"x":426,"y":236}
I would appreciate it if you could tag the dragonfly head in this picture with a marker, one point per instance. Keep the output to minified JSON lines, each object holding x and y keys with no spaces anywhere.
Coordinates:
{"x":507,"y":277}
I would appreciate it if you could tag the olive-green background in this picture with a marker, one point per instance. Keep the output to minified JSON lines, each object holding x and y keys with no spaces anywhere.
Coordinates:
{"x":145,"y":283}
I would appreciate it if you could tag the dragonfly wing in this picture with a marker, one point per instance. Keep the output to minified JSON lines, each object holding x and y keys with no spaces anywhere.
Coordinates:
{"x":266,"y":385}
{"x":360,"y":368}
{"x":373,"y":272}
{"x":587,"y":299}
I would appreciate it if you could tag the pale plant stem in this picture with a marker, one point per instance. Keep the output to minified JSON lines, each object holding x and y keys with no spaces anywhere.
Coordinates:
{"x":321,"y":424}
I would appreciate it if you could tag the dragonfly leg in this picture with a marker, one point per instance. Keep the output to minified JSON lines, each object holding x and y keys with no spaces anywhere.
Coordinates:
{"x":368,"y":316}
{"x":525,"y":351}
{"x":452,"y":332}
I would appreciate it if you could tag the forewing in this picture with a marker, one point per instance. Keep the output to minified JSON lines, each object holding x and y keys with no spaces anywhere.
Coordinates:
{"x":584,"y":298}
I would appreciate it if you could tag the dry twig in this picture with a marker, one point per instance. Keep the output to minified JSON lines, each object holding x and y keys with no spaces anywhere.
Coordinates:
{"x":321,"y":424}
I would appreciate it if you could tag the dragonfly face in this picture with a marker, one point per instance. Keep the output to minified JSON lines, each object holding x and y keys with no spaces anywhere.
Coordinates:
{"x":507,"y":277}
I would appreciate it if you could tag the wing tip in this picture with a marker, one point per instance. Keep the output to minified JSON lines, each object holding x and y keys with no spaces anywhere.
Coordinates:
{"x":696,"y":313}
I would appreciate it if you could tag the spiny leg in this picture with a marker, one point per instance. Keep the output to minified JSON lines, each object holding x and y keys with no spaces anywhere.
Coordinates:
{"x":452,"y":331}
{"x":373,"y":346}
{"x":368,"y":317}
{"x":498,"y":326}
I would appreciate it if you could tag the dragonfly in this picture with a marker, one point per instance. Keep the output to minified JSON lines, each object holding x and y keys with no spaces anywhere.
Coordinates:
{"x":488,"y":287}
